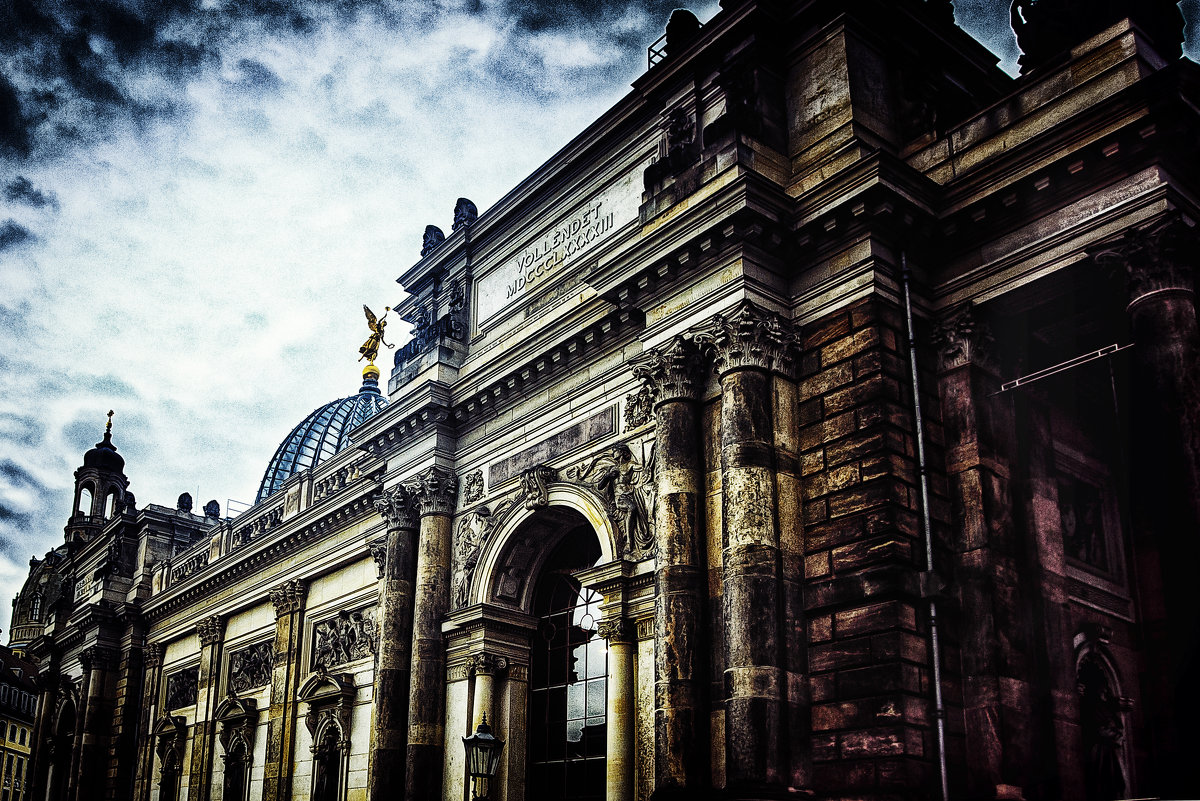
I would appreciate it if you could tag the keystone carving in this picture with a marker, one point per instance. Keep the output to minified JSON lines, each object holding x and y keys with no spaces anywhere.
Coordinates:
{"x":1156,"y":257}
{"x":535,"y":485}
{"x":961,"y":338}
{"x":672,"y":372}
{"x":398,"y":507}
{"x":434,"y":491}
{"x":747,"y":337}
{"x":289,"y":597}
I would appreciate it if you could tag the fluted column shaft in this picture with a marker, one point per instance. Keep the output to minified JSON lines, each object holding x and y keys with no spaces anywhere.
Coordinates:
{"x":435,"y":491}
{"x":680,"y":712}
{"x":390,"y":720}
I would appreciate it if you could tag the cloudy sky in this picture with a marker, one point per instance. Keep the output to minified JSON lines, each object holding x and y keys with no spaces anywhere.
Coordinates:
{"x":197,"y":197}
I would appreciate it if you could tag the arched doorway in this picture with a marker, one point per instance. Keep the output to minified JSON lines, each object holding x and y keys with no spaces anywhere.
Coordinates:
{"x":1102,"y":728}
{"x":568,"y":679}
{"x":62,"y":742}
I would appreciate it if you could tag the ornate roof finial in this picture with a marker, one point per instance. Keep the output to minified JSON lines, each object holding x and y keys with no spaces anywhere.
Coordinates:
{"x":108,"y":426}
{"x":370,"y":348}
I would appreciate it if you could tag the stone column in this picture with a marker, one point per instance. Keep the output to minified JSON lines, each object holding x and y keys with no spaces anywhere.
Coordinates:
{"x":288,"y":599}
{"x":1159,"y":264}
{"x":152,"y":656}
{"x":991,"y":562}
{"x":97,"y":661}
{"x":672,"y":375}
{"x":388,"y":744}
{"x":434,"y":492}
{"x":619,"y":708}
{"x":48,"y":684}
{"x":747,"y":345}
{"x":485,"y":668}
{"x":211,"y":632}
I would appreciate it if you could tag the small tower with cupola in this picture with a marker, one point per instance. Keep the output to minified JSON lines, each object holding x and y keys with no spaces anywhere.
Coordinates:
{"x":100,"y":489}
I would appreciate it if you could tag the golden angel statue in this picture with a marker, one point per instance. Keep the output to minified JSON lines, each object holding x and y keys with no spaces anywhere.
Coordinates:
{"x":370,"y":348}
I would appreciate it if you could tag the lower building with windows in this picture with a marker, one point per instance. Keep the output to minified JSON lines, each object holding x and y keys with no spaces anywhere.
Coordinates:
{"x":18,"y":713}
{"x":821,"y":422}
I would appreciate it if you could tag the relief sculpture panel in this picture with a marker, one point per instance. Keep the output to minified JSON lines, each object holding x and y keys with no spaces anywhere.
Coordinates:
{"x":250,"y":667}
{"x":344,"y":638}
{"x":181,"y":688}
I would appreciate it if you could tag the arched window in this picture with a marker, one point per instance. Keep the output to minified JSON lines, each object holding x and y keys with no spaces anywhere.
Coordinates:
{"x":110,"y":504}
{"x":234,"y":784}
{"x":568,"y":679}
{"x":327,"y":764}
{"x":84,"y":507}
{"x":35,"y":607}
{"x":1102,"y":728}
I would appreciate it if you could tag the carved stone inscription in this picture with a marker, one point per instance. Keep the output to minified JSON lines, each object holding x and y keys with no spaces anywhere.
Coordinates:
{"x":544,"y":259}
{"x":598,"y":425}
{"x":181,"y":688}
{"x":250,"y":667}
{"x":344,"y":638}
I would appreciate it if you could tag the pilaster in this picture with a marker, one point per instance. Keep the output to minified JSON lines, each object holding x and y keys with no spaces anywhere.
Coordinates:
{"x":152,"y":656}
{"x":288,"y":599}
{"x":211,"y":633}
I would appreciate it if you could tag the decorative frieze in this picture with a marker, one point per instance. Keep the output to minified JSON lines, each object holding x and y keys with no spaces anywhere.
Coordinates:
{"x":210,"y":630}
{"x":434,"y":491}
{"x":747,"y":337}
{"x":289,"y":597}
{"x":181,"y":688}
{"x":250,"y":667}
{"x":398,"y":506}
{"x":344,"y":638}
{"x":672,"y":372}
{"x":961,"y":338}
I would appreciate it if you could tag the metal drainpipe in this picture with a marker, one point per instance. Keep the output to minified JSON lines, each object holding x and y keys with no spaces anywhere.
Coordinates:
{"x":928,"y":583}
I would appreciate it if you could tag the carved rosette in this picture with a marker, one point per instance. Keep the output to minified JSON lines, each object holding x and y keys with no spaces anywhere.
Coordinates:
{"x":617,"y":630}
{"x":434,"y":491}
{"x":1158,"y":257}
{"x":289,"y":597}
{"x":210,"y":630}
{"x":378,"y":548}
{"x":748,"y":337}
{"x":399,"y":507}
{"x":672,"y":372}
{"x":962,"y":337}
{"x":487,"y":664}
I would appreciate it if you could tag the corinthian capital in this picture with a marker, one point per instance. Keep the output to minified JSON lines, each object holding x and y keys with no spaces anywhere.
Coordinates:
{"x":398,"y":507}
{"x":962,"y":337}
{"x":671,"y":372}
{"x":1160,"y":256}
{"x":434,"y":491}
{"x":747,"y":336}
{"x":210,"y":630}
{"x":289,"y":597}
{"x":153,"y":654}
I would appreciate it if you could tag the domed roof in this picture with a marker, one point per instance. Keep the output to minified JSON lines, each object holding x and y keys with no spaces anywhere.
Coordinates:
{"x":104,"y":456}
{"x":322,"y":434}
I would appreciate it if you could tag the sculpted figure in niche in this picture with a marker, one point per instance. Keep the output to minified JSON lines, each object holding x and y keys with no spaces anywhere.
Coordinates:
{"x":472,"y":532}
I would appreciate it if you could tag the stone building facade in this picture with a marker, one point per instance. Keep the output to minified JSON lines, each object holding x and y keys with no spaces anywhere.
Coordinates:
{"x":820,"y":422}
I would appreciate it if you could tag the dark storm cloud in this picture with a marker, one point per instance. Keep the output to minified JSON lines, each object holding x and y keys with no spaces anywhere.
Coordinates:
{"x":17,"y":480}
{"x":13,"y":234}
{"x":22,"y":190}
{"x":258,"y":76}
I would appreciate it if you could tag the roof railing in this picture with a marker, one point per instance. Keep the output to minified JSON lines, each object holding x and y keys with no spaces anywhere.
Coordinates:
{"x":656,"y":52}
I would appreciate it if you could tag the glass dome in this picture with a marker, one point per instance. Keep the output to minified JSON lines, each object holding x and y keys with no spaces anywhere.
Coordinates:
{"x":322,"y":434}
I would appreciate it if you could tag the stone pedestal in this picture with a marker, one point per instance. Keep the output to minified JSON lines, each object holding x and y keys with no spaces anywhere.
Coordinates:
{"x":390,"y":721}
{"x":434,"y":491}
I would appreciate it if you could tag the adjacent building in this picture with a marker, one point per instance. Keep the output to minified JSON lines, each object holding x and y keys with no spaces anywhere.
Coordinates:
{"x":18,"y":712}
{"x":822,"y":421}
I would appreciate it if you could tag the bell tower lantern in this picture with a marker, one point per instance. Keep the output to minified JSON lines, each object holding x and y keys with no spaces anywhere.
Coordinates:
{"x":100,"y":488}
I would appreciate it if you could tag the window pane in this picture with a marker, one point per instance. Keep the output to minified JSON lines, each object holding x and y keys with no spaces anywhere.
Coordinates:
{"x":575,"y":701}
{"x":595,"y":696}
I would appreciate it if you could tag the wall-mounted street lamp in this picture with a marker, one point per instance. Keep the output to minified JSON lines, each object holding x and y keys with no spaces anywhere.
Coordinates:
{"x":483,"y":758}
